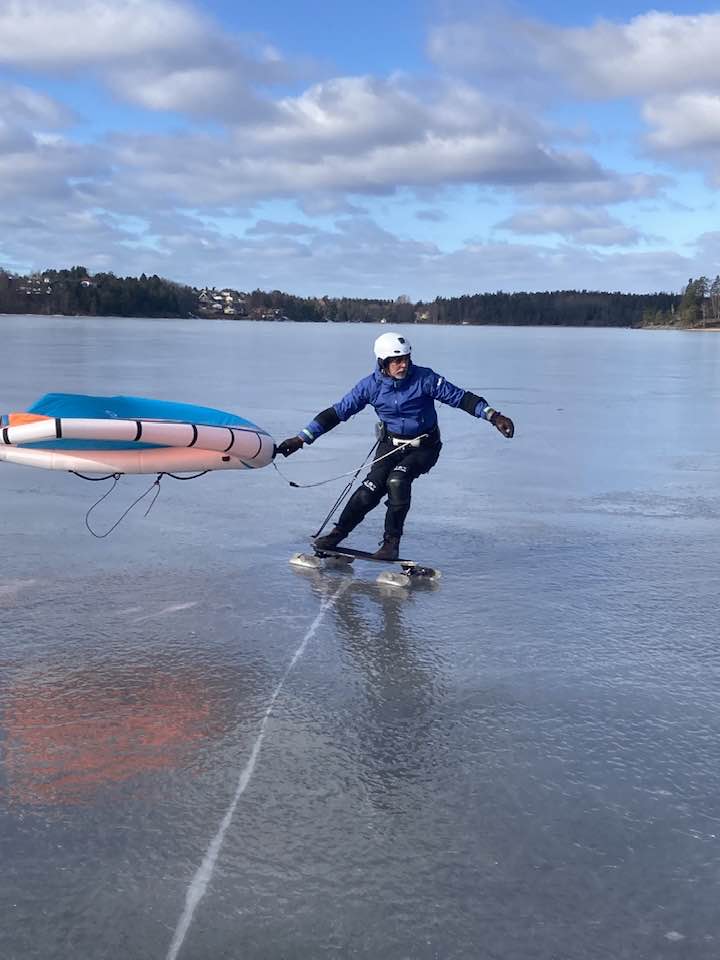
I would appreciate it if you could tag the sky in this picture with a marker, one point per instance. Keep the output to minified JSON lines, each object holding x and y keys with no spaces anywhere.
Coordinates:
{"x":417,"y":148}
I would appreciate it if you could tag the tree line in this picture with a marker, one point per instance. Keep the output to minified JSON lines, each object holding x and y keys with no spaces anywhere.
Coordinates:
{"x":700,"y":303}
{"x":75,"y":292}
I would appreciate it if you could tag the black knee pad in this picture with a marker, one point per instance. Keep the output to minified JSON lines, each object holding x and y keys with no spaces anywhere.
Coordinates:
{"x":398,"y":487}
{"x":366,"y":497}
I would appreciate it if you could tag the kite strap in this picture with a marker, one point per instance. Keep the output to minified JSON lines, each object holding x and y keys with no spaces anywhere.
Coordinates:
{"x":346,"y":490}
{"x":83,"y":476}
{"x":115,"y":477}
{"x":155,"y":486}
{"x":353,"y":473}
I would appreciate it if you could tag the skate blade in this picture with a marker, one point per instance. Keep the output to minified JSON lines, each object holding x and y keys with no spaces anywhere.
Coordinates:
{"x":305,"y":560}
{"x":390,"y":579}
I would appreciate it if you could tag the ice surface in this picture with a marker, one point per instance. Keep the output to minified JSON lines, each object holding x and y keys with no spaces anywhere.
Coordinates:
{"x":520,"y":763}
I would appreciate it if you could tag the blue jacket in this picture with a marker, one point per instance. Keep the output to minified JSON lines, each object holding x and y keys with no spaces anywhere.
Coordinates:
{"x":406,"y":407}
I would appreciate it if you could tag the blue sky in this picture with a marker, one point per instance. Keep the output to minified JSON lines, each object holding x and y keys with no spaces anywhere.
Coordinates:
{"x":422,"y":148}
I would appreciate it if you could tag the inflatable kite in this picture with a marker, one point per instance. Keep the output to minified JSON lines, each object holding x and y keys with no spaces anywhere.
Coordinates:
{"x":65,"y":431}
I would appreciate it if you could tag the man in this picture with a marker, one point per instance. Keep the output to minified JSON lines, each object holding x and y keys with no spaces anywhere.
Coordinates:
{"x":403,"y":396}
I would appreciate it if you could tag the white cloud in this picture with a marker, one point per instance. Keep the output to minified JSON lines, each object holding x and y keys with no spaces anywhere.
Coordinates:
{"x":336,"y":142}
{"x":347,"y":114}
{"x":45,"y":177}
{"x":347,"y":136}
{"x":22,"y":107}
{"x":13,"y":139}
{"x":612,"y":188}
{"x":650,"y":54}
{"x":274,"y":228}
{"x":160,"y":54}
{"x":591,"y":227}
{"x":93,"y":239}
{"x":25,"y":118}
{"x":206,"y":90}
{"x":350,"y":260}
{"x":321,"y":204}
{"x":667,"y":62}
{"x":206,"y":171}
{"x":355,"y":136}
{"x":35,"y":172}
{"x":506,"y":52}
{"x":78,"y":33}
{"x":341,"y":114}
{"x":432,"y":215}
{"x":687,"y":122}
{"x":33,"y":159}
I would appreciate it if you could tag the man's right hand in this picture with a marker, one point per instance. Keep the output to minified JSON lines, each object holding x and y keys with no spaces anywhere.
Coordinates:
{"x":291,"y":445}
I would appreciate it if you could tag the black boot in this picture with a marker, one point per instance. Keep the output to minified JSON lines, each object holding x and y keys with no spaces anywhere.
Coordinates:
{"x":389,"y":549}
{"x":330,"y":540}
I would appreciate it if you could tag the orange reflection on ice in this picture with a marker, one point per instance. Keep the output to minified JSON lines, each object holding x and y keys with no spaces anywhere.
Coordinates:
{"x":67,"y":738}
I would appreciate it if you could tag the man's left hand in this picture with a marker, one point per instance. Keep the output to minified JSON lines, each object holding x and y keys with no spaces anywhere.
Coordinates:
{"x":503,"y":424}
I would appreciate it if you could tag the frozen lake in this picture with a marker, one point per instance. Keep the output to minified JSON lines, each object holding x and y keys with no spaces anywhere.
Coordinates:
{"x":208,"y":754}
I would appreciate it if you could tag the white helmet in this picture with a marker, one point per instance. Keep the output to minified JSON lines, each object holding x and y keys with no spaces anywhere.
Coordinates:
{"x":391,"y":345}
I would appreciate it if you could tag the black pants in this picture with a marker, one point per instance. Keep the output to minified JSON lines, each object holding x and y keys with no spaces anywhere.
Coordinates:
{"x":392,"y":476}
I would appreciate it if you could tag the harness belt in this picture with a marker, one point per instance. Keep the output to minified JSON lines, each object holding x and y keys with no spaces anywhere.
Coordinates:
{"x":432,"y":437}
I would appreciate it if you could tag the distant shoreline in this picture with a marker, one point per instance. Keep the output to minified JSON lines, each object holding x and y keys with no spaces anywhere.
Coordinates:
{"x":76,"y":292}
{"x":337,"y":323}
{"x":654,"y":326}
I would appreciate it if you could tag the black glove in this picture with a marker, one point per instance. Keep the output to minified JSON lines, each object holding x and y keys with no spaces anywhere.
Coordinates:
{"x":291,"y":445}
{"x":503,"y":424}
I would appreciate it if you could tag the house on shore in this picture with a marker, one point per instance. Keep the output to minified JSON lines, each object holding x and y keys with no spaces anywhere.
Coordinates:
{"x":223,"y":304}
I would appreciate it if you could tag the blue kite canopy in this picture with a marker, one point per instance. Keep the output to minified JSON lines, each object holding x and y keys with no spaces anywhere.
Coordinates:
{"x":134,"y":408}
{"x":66,"y":431}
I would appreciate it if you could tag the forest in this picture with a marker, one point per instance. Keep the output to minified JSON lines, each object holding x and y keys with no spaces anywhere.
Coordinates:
{"x":76,"y":292}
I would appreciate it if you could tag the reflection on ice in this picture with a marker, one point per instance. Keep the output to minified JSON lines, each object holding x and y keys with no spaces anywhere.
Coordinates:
{"x":10,"y":589}
{"x":375,"y":628}
{"x":68,"y":737}
{"x":170,"y":608}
